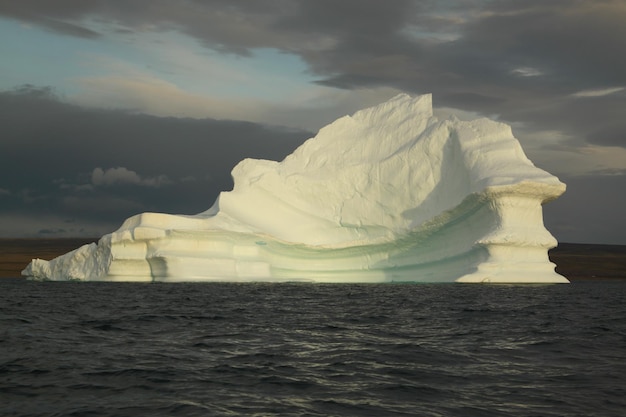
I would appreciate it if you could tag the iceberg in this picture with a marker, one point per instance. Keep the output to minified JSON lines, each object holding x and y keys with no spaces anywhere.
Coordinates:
{"x":390,"y":193}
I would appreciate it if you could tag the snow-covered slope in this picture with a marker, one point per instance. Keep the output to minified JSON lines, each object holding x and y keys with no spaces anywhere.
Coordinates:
{"x":390,"y":193}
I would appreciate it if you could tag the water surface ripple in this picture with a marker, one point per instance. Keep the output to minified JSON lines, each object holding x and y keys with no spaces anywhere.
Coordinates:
{"x":122,"y":349}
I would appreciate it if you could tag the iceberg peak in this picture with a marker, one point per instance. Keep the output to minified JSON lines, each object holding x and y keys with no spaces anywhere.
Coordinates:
{"x":390,"y":193}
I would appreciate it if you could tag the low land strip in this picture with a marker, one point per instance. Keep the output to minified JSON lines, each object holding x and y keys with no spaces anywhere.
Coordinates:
{"x":15,"y":254}
{"x":575,"y":261}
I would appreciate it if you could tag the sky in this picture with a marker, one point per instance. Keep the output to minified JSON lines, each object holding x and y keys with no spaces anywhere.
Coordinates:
{"x":109,"y":108}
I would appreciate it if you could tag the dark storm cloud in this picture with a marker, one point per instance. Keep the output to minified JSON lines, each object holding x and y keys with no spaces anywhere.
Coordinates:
{"x":70,"y":29}
{"x":521,"y":60}
{"x":225,"y":25}
{"x":524,"y":61}
{"x":611,"y":135}
{"x":82,"y":164}
{"x":564,"y":48}
{"x":51,"y":17}
{"x":585,"y":210}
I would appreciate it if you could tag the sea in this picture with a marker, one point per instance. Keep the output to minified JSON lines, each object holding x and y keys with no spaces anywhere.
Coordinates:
{"x":255,"y":349}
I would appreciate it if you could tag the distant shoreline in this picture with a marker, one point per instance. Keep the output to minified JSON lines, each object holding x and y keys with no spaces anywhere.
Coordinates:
{"x":590,"y":262}
{"x":575,"y":261}
{"x":16,"y":253}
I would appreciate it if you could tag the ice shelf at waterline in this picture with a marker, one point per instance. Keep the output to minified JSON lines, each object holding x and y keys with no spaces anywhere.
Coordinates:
{"x":390,"y":193}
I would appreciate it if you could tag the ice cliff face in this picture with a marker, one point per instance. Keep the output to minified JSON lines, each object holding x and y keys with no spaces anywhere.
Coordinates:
{"x":387,"y":194}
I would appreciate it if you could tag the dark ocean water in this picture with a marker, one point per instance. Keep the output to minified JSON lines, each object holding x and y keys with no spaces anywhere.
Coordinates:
{"x":122,"y":349}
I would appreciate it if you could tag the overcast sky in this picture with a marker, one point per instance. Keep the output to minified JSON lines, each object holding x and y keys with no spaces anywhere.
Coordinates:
{"x":109,"y":108}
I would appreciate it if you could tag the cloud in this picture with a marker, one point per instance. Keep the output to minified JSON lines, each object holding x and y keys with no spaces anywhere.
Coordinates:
{"x":569,"y":161}
{"x":151,"y":95}
{"x":138,"y":91}
{"x":121,"y":175}
{"x":555,"y":70}
{"x":590,"y":211}
{"x":56,"y":232}
{"x":50,"y":18}
{"x":197,"y":155}
{"x":508,"y":58}
{"x":138,"y":156}
{"x":70,"y":29}
{"x":609,"y":135}
{"x":4,"y":192}
{"x":51,"y":224}
{"x":526,"y":72}
{"x":598,"y":93}
{"x":29,"y":196}
{"x":106,"y":204}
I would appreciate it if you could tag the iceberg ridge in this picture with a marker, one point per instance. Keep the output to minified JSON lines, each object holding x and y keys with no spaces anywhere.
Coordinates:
{"x":390,"y":193}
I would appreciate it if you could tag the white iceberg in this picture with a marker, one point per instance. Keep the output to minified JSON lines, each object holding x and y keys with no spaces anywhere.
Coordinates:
{"x":390,"y":193}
